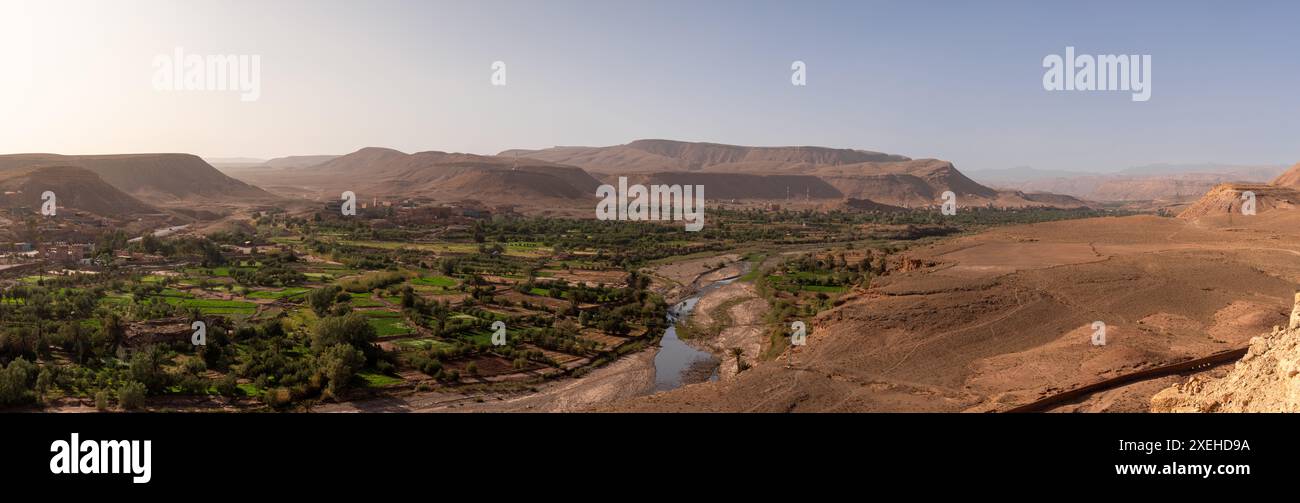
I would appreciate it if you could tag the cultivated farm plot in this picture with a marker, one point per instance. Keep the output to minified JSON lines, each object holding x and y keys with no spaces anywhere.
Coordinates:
{"x":387,"y":323}
{"x":519,"y":298}
{"x":488,"y":365}
{"x":613,"y":278}
{"x":434,"y":281}
{"x":425,"y":343}
{"x":285,"y":293}
{"x":606,"y":341}
{"x":565,"y":360}
{"x":364,"y":300}
{"x":529,"y":250}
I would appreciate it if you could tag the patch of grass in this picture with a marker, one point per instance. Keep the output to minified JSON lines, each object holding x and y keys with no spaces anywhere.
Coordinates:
{"x":287,"y":293}
{"x":478,"y":337}
{"x":424,"y":344}
{"x":376,"y":380}
{"x":364,"y":300}
{"x":215,"y":306}
{"x":386,"y":327}
{"x":439,"y":281}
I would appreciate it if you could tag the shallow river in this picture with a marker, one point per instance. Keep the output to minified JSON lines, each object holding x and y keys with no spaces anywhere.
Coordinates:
{"x":678,"y":363}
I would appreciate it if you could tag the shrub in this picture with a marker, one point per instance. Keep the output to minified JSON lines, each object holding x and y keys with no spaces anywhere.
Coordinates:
{"x":101,"y":400}
{"x":131,"y":395}
{"x":15,"y":382}
{"x":277,"y":397}
{"x":227,"y":385}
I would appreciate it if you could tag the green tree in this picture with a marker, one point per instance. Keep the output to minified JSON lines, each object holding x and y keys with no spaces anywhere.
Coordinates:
{"x":339,"y":364}
{"x":351,"y":329}
{"x":16,"y":382}
{"x":321,"y":299}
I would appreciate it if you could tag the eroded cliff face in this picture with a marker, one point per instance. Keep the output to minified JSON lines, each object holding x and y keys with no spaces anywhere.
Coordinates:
{"x":1267,"y":379}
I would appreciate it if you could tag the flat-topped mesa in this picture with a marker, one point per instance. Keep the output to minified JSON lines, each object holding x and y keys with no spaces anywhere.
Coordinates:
{"x":1226,"y":198}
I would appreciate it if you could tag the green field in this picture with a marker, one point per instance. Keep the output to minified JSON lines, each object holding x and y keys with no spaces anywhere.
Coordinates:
{"x":215,"y":306}
{"x":377,"y":380}
{"x":287,"y":293}
{"x":364,"y":300}
{"x":439,"y":281}
{"x":423,"y":344}
{"x":387,"y":323}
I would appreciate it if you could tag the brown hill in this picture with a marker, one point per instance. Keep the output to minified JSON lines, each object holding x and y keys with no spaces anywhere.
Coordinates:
{"x":74,"y":188}
{"x":1002,"y":318}
{"x":1129,"y":185}
{"x":809,"y":172}
{"x":669,"y":155}
{"x":1226,"y":199}
{"x":166,"y":179}
{"x":1291,"y":178}
{"x":741,"y":185}
{"x":374,"y":171}
{"x":299,"y":161}
{"x":910,"y":183}
{"x":869,"y":205}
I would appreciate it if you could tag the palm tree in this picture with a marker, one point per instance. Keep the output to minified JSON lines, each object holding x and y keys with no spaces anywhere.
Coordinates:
{"x":740,"y":364}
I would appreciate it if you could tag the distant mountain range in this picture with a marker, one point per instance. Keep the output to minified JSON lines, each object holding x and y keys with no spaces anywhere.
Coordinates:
{"x":740,"y":172}
{"x":1156,"y":182}
{"x":557,"y":177}
{"x":667,"y":155}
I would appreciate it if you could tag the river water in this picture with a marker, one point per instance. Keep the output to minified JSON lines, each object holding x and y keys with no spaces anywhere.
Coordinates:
{"x":678,"y":363}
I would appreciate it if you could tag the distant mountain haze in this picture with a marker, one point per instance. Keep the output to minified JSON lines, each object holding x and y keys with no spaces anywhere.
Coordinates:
{"x":1169,"y":182}
{"x":564,"y":176}
{"x":741,"y":172}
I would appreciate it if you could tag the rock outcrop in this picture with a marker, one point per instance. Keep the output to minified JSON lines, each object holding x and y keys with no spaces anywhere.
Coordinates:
{"x":1266,"y":379}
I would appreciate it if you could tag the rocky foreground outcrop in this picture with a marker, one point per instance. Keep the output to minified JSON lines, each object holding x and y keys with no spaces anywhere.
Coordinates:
{"x":1266,"y":379}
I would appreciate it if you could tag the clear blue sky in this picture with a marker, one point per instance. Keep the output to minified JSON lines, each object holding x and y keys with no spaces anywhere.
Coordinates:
{"x":957,"y":80}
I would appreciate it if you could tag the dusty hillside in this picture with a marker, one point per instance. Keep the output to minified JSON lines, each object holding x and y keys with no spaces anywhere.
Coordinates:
{"x":300,"y":161}
{"x":742,"y":186}
{"x":75,"y":188}
{"x":1266,"y":379}
{"x":738,"y":172}
{"x":1291,"y":178}
{"x":1226,"y":200}
{"x":165,"y":179}
{"x":1132,"y":185}
{"x":911,"y":183}
{"x":869,"y":205}
{"x":669,"y":155}
{"x":1003,"y":318}
{"x":383,"y":172}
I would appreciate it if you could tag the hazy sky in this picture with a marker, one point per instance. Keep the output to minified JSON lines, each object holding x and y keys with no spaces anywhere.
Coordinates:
{"x":955,"y":80}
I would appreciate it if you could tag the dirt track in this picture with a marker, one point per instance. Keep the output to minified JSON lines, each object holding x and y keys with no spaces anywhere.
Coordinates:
{"x":627,"y":377}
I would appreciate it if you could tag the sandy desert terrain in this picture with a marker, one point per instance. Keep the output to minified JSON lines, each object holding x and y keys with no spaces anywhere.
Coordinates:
{"x":1004,"y":318}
